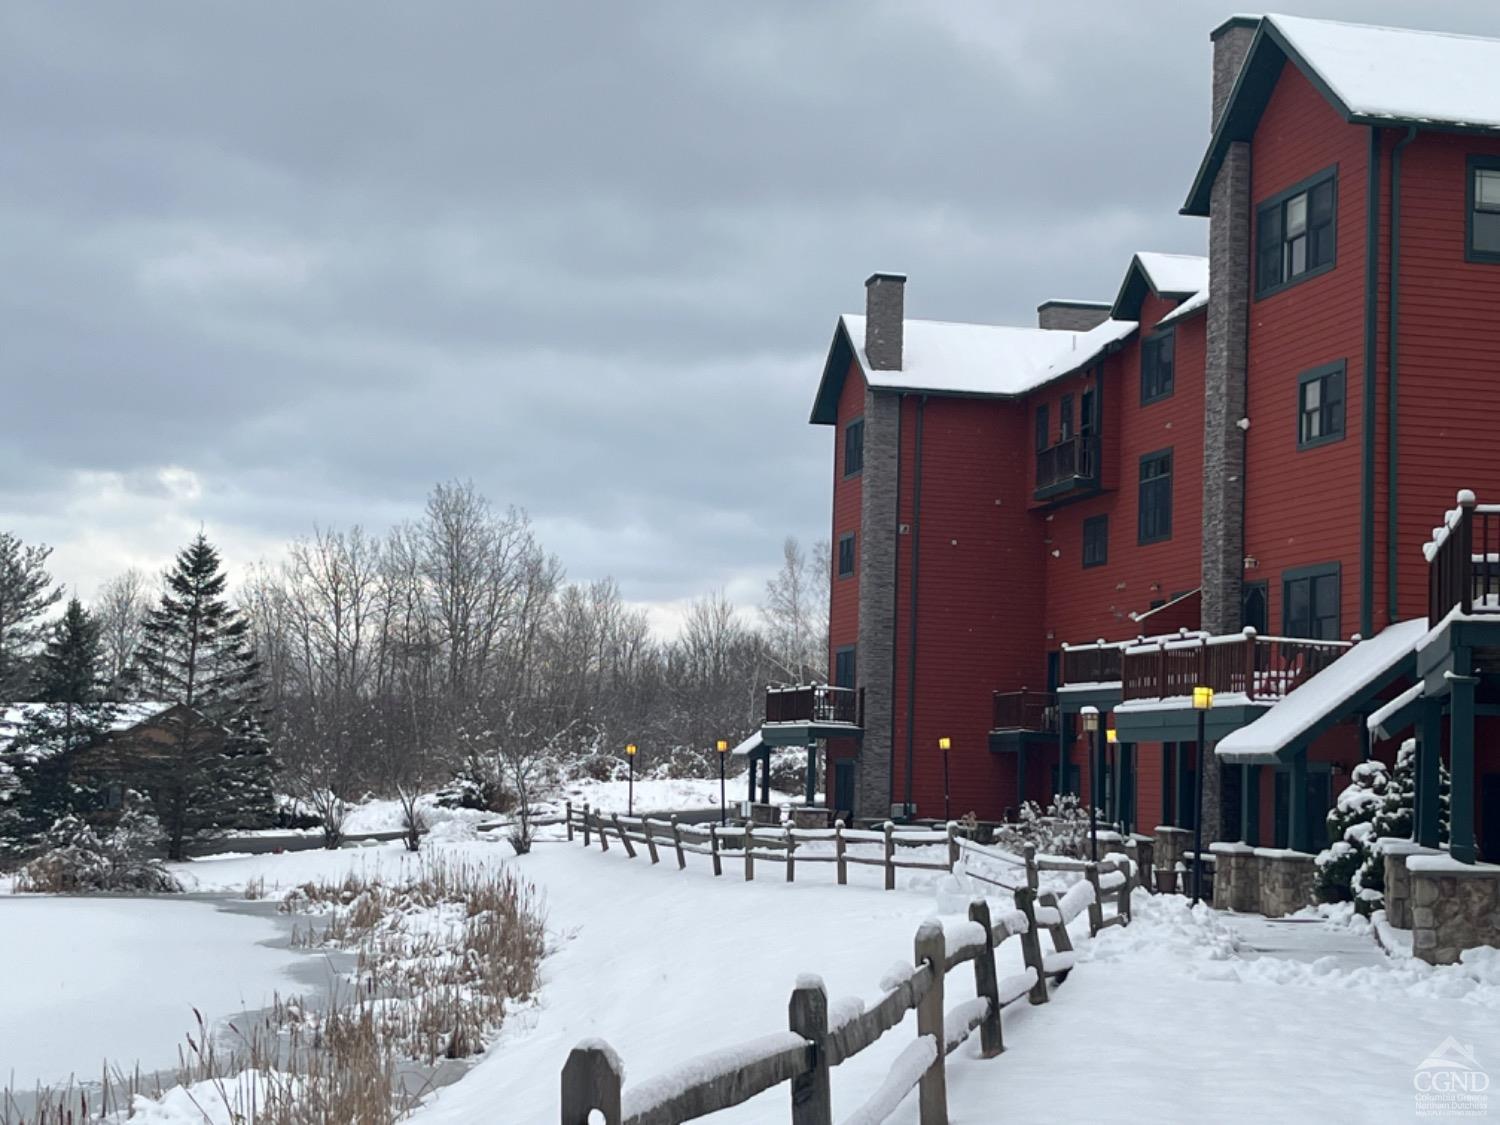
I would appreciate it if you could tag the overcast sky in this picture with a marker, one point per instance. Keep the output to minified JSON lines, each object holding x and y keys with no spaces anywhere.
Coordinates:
{"x":276,"y":265}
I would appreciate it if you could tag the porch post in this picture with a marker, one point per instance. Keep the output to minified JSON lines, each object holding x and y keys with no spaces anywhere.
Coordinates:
{"x":1298,"y":836}
{"x":812,"y":773}
{"x":1247,"y":798}
{"x":1020,"y":776}
{"x":751,"y":795}
{"x":1429,"y":760}
{"x":1461,"y":761}
{"x":765,"y":778}
{"x":1063,"y":765}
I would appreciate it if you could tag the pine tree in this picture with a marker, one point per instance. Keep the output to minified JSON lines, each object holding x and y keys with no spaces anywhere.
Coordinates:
{"x":71,"y":713}
{"x":1351,"y":828}
{"x":26,"y":593}
{"x":1395,"y":818}
{"x":195,"y":651}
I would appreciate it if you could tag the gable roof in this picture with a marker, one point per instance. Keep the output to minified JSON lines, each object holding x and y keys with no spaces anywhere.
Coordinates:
{"x":1371,"y":75}
{"x":125,"y":716}
{"x":1174,"y":276}
{"x":970,"y":360}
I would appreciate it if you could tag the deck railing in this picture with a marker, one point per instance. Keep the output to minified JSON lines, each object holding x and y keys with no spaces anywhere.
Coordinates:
{"x":1463,"y":560}
{"x":1024,"y":710}
{"x":1263,"y":669}
{"x":814,"y":703}
{"x":1092,"y":664}
{"x":1074,"y":458}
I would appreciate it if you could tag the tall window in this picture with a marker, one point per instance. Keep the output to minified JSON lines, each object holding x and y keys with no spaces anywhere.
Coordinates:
{"x":1484,"y":209}
{"x":1310,"y":602}
{"x":1320,"y":405}
{"x":854,"y":447}
{"x":1155,"y":498}
{"x":1295,"y":233}
{"x":1043,"y":435}
{"x":1096,"y":541}
{"x":846,"y":555}
{"x":1065,"y":418}
{"x":1158,"y":360}
{"x":843,"y":667}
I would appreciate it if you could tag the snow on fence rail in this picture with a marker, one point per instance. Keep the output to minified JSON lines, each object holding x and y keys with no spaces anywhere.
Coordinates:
{"x":815,"y":1042}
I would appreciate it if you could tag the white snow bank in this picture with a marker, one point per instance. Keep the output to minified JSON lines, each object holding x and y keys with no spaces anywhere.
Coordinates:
{"x":903,"y":1076}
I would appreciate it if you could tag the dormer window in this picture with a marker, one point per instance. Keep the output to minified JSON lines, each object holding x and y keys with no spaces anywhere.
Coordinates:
{"x":1294,"y":234}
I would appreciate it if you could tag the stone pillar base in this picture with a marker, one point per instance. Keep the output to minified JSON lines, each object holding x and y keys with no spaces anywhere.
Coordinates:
{"x":1236,"y":878}
{"x":1454,"y":906}
{"x":1397,"y":880}
{"x":1286,"y":880}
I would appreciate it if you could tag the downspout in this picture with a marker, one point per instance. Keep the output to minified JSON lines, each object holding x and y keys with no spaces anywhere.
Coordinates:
{"x":1367,"y":425}
{"x":1392,"y":369}
{"x":890,"y":797}
{"x":911,"y":640}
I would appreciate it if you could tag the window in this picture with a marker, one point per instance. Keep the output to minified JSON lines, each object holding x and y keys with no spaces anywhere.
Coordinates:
{"x":1254,"y":611}
{"x":1320,"y":405}
{"x":1086,"y":413}
{"x":1484,"y":209}
{"x":843,"y":667}
{"x":846,"y":555}
{"x":854,"y":447}
{"x":1043,"y":435}
{"x":1157,"y":362}
{"x":1155,"y":498}
{"x":1065,"y":418}
{"x":1310,"y":602}
{"x":1095,"y":541}
{"x":1294,"y":234}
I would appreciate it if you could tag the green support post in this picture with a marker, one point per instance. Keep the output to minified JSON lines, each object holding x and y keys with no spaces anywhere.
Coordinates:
{"x":1250,"y":804}
{"x":1461,"y":762}
{"x":1429,"y":762}
{"x":1299,"y":838}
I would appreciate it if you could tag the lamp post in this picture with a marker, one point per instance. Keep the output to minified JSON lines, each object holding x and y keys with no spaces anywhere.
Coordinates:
{"x":722,"y":746}
{"x":630,"y":782}
{"x":1090,"y":715}
{"x":1203,"y":699}
{"x":945,"y":744}
{"x":1116,"y":790}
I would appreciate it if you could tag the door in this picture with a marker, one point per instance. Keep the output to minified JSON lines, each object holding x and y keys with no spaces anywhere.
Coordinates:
{"x":1231,"y":787}
{"x":1254,"y":610}
{"x":1489,"y":817}
{"x":843,"y":788}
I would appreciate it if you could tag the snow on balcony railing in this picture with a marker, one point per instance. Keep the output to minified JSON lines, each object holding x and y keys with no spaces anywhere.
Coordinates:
{"x":812,"y":703}
{"x":1247,"y":664}
{"x":1463,"y":560}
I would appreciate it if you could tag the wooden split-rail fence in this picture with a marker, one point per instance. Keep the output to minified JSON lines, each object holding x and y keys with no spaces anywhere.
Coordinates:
{"x":804,"y":1055}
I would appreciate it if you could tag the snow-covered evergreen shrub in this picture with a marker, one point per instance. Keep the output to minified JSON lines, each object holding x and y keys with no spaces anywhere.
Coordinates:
{"x":80,"y":860}
{"x":475,"y":788}
{"x":1351,"y":834}
{"x":1062,"y":829}
{"x":1395,"y":818}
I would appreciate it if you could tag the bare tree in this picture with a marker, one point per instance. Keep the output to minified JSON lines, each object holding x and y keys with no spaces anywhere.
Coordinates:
{"x":796,"y":612}
{"x":120,"y":608}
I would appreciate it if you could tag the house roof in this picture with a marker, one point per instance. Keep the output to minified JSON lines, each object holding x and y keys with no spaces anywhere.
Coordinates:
{"x":1174,"y":276}
{"x":13,"y":716}
{"x":972,"y":360}
{"x":1371,"y":75}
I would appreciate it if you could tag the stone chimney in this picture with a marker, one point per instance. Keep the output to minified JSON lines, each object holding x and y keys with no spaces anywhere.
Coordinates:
{"x":1072,"y":316}
{"x":885,"y":320}
{"x":1231,"y":41}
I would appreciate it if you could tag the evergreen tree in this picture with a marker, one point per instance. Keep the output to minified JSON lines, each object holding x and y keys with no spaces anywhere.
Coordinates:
{"x":1396,"y":818}
{"x":1351,"y":832}
{"x":215,"y":771}
{"x":26,"y":594}
{"x":71,"y":713}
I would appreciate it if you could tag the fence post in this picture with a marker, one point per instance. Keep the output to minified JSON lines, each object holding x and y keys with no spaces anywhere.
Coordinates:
{"x":650,"y":839}
{"x":1031,"y":944}
{"x":1122,"y":899}
{"x":932,"y":1093}
{"x":677,"y":842}
{"x":599,"y":826}
{"x":591,"y":1081}
{"x":952,"y":844}
{"x":1033,"y":876}
{"x":890,"y":856}
{"x":585,"y":824}
{"x":791,"y":845}
{"x":624,"y":839}
{"x":1096,"y":908}
{"x":838,"y":851}
{"x":749,"y":852}
{"x":1061,"y":941}
{"x":713,"y":849}
{"x":986,"y":982}
{"x":807,"y":1016}
{"x":569,"y":806}
{"x":1145,"y":864}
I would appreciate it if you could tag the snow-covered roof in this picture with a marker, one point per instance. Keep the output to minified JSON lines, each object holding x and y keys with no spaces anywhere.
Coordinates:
{"x":1197,"y":301}
{"x":983,"y":359}
{"x":1329,"y":692}
{"x":1183,"y":276}
{"x":1390,"y":710}
{"x":1371,"y":75}
{"x":748,"y":747}
{"x":13,"y":716}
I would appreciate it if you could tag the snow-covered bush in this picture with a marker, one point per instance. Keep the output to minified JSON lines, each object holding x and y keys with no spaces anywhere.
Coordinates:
{"x":1351,"y":836}
{"x":1395,"y":818}
{"x":79,"y":860}
{"x":1062,"y":829}
{"x":475,"y":788}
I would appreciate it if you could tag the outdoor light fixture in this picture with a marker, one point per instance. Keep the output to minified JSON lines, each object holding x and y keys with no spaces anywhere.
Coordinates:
{"x":1112,"y":736}
{"x":1090,"y":715}
{"x":630,"y":779}
{"x":945,"y":744}
{"x":722,"y":746}
{"x":1203,"y":699}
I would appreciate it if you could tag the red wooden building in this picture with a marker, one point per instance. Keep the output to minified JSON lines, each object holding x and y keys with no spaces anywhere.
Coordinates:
{"x":1223,"y":476}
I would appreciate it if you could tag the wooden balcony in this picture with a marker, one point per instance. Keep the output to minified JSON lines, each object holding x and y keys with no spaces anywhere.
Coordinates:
{"x":815,"y":708}
{"x":1463,"y":561}
{"x":1032,"y":711}
{"x":1098,"y":663}
{"x":1070,"y":464}
{"x":1260,"y":669}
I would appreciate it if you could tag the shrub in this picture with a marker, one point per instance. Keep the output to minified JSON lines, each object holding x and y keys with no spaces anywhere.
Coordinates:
{"x":1351,"y":836}
{"x":1063,"y":829}
{"x":79,"y":860}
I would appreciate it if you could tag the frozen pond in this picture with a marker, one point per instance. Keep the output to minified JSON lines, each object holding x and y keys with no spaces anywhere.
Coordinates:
{"x":93,"y":979}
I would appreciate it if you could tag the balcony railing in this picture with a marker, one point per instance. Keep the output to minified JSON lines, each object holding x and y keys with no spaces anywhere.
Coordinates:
{"x":1262,"y":669}
{"x":814,"y":704}
{"x":1463,"y":561}
{"x":1092,"y":664}
{"x":1025,"y":710}
{"x":1070,"y":463}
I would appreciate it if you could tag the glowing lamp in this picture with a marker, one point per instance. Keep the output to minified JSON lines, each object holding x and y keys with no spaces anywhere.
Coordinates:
{"x":1203,"y":698}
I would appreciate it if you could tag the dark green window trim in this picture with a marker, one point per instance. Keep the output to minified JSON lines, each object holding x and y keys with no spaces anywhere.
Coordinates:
{"x":854,"y":448}
{"x":1150,"y":491}
{"x":1158,"y":366}
{"x":1475,"y":165}
{"x":843,"y":666}
{"x":1095,"y":541}
{"x":846,"y":555}
{"x":1331,"y":390}
{"x":1310,"y":575}
{"x":1043,"y":430}
{"x":1266,"y":288}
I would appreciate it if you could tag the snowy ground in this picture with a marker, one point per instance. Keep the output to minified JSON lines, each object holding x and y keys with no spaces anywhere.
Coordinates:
{"x":1184,"y":1016}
